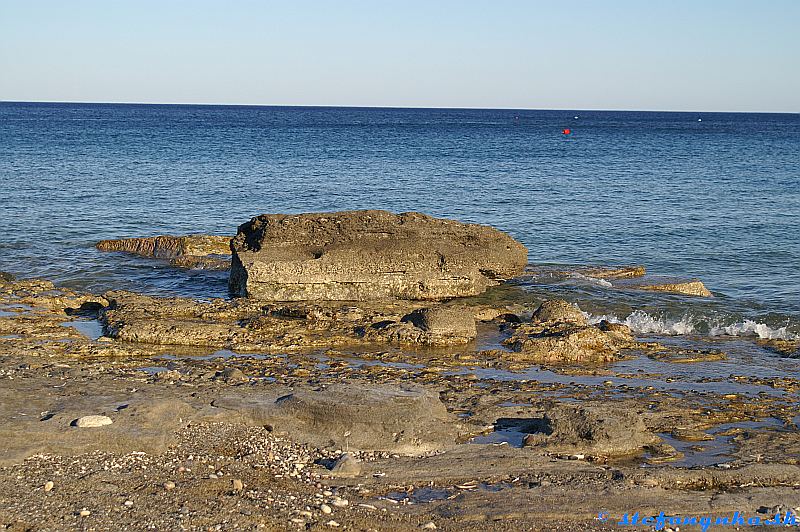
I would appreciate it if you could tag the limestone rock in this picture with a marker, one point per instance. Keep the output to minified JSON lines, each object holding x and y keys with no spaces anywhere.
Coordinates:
{"x":92,"y":421}
{"x":560,"y":333}
{"x":169,"y":246}
{"x":368,"y":255}
{"x":346,"y":466}
{"x":596,"y":430}
{"x":558,"y":310}
{"x":568,"y":344}
{"x":690,"y":287}
{"x":444,"y":325}
{"x":404,"y":419}
{"x":192,"y":251}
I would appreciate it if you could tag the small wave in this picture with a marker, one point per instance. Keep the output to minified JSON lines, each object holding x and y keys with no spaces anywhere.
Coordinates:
{"x":592,"y":280}
{"x":641,"y":322}
{"x":752,"y":328}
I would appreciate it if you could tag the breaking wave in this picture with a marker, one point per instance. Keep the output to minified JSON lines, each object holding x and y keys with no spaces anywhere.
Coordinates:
{"x":752,"y":328}
{"x":591,"y":280}
{"x":643,"y":323}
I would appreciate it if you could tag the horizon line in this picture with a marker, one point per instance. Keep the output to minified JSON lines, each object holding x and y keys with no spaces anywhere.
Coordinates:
{"x":319,"y":106}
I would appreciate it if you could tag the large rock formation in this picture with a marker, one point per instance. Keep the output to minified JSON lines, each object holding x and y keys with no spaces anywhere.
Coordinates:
{"x":368,"y":255}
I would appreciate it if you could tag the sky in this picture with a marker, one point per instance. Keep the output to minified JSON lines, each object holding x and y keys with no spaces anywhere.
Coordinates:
{"x":699,"y":55}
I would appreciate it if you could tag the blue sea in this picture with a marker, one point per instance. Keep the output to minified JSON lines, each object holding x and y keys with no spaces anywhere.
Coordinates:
{"x":709,"y":195}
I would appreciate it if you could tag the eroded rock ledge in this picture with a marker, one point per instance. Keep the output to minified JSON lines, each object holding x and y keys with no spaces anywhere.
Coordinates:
{"x":369,"y":255}
{"x":190,"y":251}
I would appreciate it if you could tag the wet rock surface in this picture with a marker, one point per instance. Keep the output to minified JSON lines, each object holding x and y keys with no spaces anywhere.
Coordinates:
{"x":560,"y":333}
{"x":691,"y":287}
{"x":369,"y":255}
{"x":249,"y":325}
{"x":191,"y":251}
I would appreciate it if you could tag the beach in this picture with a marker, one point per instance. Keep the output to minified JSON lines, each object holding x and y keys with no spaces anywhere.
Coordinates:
{"x":396,"y":319}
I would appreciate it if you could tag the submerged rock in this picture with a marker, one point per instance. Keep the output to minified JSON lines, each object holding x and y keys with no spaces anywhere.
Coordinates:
{"x":594,"y":430}
{"x":691,"y":287}
{"x":6,"y":277}
{"x":369,"y":255}
{"x":786,"y":348}
{"x":191,"y":251}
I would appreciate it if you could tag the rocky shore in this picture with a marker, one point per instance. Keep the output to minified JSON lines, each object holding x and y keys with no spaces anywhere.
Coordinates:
{"x":374,"y":372}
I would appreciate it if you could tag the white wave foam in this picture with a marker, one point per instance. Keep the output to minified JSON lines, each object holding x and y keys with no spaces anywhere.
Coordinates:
{"x":643,"y":323}
{"x":592,"y":280}
{"x":752,"y":328}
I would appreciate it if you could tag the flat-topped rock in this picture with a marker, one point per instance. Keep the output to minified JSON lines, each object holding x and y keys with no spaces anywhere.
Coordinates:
{"x":406,"y":418}
{"x":369,"y":255}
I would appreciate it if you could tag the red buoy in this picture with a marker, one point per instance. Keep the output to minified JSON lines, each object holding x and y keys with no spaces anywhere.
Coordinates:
{"x":566,"y":131}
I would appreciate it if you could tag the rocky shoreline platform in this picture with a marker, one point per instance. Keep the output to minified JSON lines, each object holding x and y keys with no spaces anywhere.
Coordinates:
{"x":373,"y":371}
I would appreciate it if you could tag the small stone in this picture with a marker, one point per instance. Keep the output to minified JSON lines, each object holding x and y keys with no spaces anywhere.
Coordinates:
{"x":430,"y":525}
{"x":346,"y":466}
{"x":92,"y":421}
{"x":48,"y":486}
{"x":232,"y":375}
{"x":332,"y":524}
{"x":238,"y":485}
{"x":169,"y":485}
{"x":128,"y":503}
{"x":339,"y":502}
{"x":324,"y":508}
{"x":84,"y":513}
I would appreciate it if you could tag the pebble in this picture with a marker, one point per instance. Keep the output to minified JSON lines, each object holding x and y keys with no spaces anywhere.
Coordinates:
{"x":84,"y":513}
{"x":238,"y":485}
{"x":128,"y":503}
{"x":332,"y":524}
{"x":92,"y":421}
{"x":169,"y":485}
{"x":324,"y":508}
{"x":339,"y":502}
{"x":48,"y":486}
{"x":430,"y":525}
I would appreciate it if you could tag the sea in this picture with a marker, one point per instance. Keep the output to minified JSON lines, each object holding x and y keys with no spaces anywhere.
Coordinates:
{"x":713,"y":196}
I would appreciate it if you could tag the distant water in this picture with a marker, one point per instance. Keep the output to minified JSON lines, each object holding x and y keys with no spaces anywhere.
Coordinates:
{"x":708,"y":195}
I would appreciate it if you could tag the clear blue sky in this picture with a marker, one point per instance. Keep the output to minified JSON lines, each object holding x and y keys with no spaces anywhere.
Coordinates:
{"x":604,"y":54}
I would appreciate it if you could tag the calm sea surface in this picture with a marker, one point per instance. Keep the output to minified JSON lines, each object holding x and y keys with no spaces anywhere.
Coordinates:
{"x":708,"y":195}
